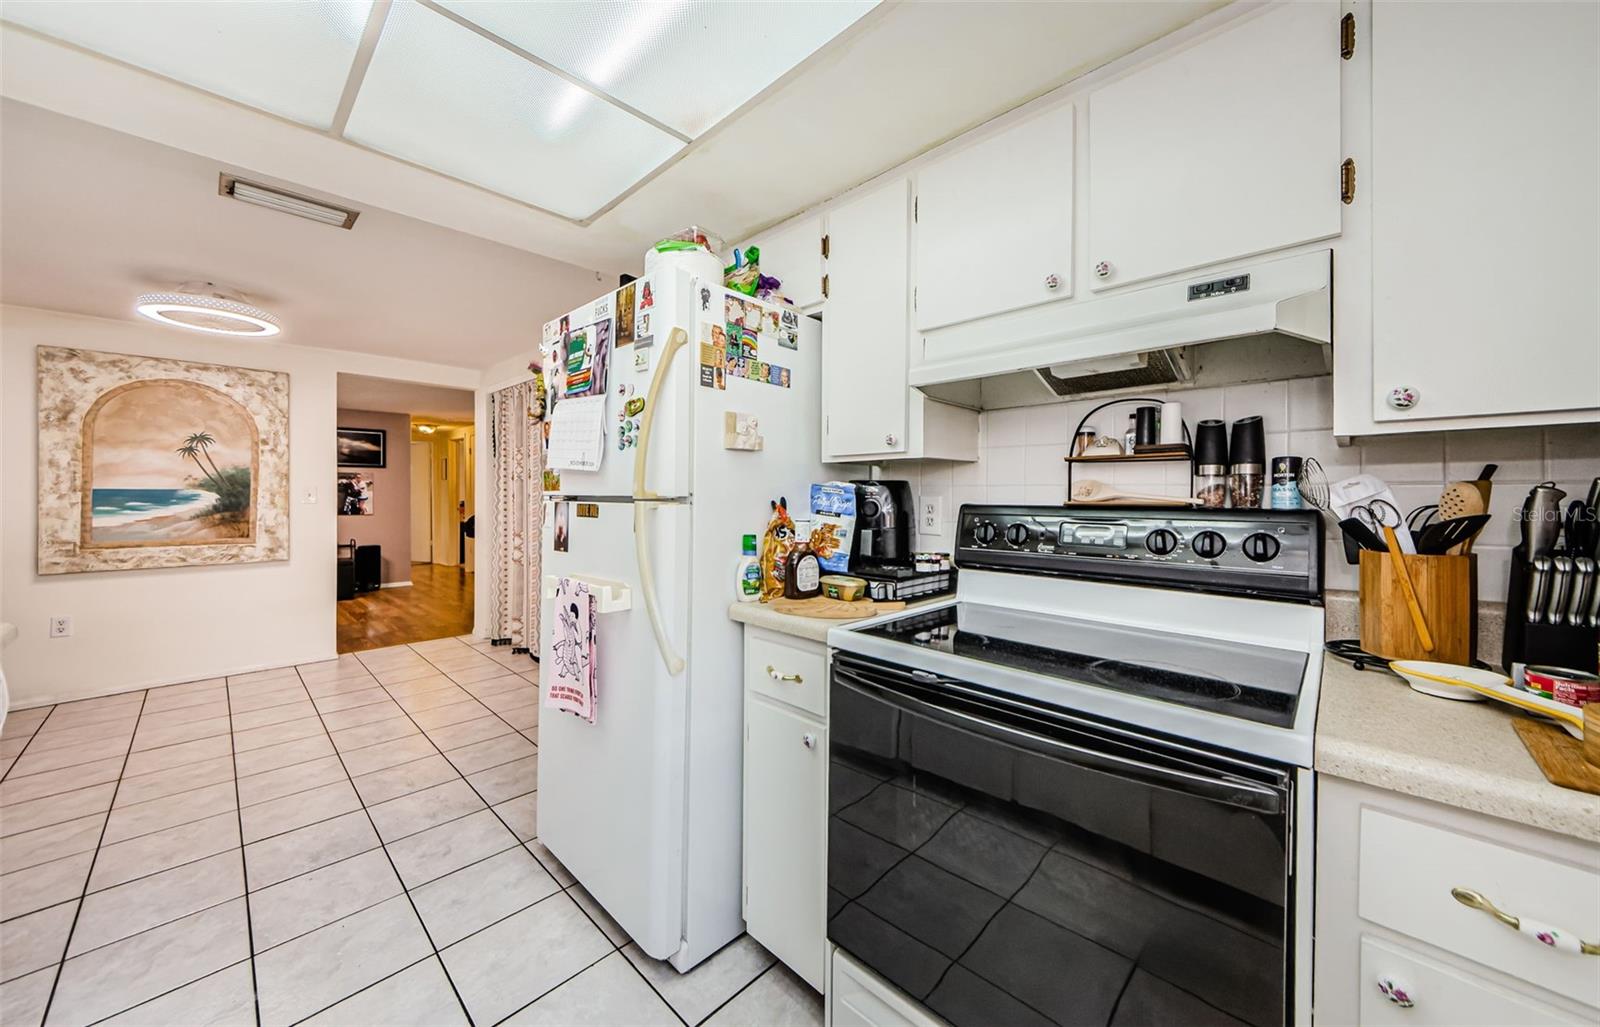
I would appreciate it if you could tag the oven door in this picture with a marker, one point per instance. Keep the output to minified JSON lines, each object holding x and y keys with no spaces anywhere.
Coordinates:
{"x":1004,"y":863}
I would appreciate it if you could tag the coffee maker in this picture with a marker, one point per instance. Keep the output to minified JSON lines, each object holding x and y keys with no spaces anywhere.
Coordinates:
{"x":884,"y":514}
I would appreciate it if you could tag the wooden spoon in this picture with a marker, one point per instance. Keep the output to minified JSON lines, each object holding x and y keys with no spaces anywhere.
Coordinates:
{"x":1397,"y":560}
{"x":1462,"y":499}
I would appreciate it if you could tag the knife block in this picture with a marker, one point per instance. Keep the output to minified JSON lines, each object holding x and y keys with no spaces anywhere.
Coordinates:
{"x":1554,"y":645}
{"x":1447,"y":591}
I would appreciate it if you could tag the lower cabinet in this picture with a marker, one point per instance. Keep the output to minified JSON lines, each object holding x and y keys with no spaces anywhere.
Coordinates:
{"x":785,"y":828}
{"x":1395,"y":943}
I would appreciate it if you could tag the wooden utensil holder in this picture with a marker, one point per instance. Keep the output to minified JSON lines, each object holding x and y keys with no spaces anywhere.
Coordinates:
{"x":1447,"y":591}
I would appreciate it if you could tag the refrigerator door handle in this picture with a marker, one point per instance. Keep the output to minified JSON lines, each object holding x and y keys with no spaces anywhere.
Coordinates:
{"x":647,"y":576}
{"x":676,"y":340}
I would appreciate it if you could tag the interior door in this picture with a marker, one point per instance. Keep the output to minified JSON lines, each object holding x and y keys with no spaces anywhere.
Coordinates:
{"x":1223,"y":150}
{"x":421,"y":502}
{"x":865,"y":327}
{"x":1492,"y":176}
{"x":994,"y":223}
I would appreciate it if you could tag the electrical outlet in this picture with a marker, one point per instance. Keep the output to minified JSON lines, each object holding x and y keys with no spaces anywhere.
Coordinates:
{"x":930,"y":519}
{"x":60,"y":627}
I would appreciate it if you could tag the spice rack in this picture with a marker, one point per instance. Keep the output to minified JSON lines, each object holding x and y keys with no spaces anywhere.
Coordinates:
{"x":1129,"y":458}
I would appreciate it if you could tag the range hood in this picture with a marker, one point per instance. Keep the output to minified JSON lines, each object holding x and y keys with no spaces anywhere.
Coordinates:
{"x":1252,"y":322}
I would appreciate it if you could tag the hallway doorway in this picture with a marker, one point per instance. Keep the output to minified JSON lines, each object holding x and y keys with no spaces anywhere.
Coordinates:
{"x":406,"y":505}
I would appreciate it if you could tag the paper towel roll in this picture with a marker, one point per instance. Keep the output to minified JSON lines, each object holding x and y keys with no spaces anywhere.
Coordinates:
{"x":1171,"y":423}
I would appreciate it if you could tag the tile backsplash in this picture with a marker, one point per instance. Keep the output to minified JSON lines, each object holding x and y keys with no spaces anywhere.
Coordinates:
{"x":1021,"y":451}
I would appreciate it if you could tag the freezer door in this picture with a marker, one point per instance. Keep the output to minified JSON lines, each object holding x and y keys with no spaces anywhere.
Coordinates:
{"x":611,"y":806}
{"x":631,"y":366}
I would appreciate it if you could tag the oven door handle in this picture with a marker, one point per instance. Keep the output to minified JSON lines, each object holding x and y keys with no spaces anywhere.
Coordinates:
{"x":1226,"y":790}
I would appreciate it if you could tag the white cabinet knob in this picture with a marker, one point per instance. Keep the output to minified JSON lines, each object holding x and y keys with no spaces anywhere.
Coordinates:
{"x":1404,"y":397}
{"x":808,"y":740}
{"x":1052,"y":281}
{"x":889,"y":440}
{"x":1103,"y":269}
{"x":1396,"y":991}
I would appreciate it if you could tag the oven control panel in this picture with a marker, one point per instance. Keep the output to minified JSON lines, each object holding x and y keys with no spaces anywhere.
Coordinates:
{"x":1262,"y":552}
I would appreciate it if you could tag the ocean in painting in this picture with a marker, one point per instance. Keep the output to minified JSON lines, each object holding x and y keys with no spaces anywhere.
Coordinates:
{"x":127,"y":506}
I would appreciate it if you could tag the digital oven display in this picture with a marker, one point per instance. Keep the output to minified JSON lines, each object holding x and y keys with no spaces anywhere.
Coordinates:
{"x":1096,"y":536}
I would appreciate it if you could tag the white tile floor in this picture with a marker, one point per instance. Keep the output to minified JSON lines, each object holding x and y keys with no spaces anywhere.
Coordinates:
{"x":349,"y":842}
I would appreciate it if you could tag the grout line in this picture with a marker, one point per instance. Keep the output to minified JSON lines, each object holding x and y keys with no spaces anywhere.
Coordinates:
{"x":581,"y":971}
{"x":748,"y":985}
{"x":88,"y":875}
{"x":170,"y":991}
{"x":244,"y":869}
{"x":164,"y":923}
{"x":404,"y":890}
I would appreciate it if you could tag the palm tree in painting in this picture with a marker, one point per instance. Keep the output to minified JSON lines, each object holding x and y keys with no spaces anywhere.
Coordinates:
{"x":203,"y":441}
{"x":192,"y":450}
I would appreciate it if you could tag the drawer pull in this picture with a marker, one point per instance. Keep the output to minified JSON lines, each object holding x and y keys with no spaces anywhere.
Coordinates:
{"x":1396,"y":991}
{"x":1542,"y":933}
{"x":772,"y":672}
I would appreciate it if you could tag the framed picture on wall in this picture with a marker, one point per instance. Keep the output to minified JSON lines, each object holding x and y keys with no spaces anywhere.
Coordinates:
{"x":355,"y":494}
{"x":361,"y":447}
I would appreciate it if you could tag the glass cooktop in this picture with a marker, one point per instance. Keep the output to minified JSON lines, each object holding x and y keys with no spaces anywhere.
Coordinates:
{"x":1250,"y":682}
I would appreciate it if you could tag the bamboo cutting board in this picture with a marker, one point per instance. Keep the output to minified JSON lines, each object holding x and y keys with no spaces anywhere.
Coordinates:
{"x":1559,"y":755}
{"x":834,"y":609}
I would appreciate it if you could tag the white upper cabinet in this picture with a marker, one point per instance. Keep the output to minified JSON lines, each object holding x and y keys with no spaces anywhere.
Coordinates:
{"x":865,"y":329}
{"x":994,"y":223}
{"x":1485,"y":209}
{"x":1222,"y":150}
{"x":792,"y":253}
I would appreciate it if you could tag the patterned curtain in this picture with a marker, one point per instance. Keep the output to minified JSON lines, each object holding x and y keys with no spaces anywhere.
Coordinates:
{"x":517,"y":456}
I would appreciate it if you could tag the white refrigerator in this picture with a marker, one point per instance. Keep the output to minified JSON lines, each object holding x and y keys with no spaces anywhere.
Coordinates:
{"x":643,"y":805}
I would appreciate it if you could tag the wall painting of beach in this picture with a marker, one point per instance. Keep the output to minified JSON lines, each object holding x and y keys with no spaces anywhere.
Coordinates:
{"x":169,"y":463}
{"x":150,"y":462}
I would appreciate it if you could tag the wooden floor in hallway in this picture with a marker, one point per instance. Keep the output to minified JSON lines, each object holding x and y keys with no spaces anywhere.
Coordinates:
{"x":437,"y":605}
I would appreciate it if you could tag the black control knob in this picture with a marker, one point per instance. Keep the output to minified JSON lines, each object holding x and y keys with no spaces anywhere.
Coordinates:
{"x":1162,"y":541}
{"x":985,"y":532}
{"x":1260,"y":547}
{"x":1017,"y":534}
{"x":1209,"y":545}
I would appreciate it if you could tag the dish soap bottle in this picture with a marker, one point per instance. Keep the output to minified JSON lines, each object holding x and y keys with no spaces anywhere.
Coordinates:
{"x":748,"y":578}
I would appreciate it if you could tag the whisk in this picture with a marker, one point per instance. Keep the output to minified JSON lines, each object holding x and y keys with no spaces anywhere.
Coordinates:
{"x":1313,"y":484}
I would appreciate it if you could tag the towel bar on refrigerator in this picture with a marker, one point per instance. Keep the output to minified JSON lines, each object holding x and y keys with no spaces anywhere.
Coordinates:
{"x":609,"y":596}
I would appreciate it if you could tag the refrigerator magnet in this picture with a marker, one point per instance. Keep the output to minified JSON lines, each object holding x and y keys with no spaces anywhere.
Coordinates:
{"x":641,"y":357}
{"x":708,"y":376}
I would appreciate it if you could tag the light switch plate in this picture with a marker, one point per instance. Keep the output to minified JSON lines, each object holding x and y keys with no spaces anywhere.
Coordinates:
{"x":930,"y":516}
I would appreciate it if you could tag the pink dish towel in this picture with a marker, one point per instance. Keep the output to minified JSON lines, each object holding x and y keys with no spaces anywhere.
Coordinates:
{"x":571,"y":684}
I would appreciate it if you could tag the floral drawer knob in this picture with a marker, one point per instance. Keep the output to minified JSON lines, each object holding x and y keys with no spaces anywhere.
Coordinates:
{"x":1103,"y":269}
{"x":1404,"y":397}
{"x":1396,"y":992}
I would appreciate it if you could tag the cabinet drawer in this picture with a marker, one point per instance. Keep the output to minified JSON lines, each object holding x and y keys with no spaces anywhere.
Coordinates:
{"x":859,"y":999}
{"x":788,"y":670}
{"x":1407,"y":871}
{"x":1439,"y":995}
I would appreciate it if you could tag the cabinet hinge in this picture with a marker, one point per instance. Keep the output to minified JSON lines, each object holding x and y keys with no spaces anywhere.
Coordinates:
{"x":824,"y":286}
{"x":824,"y":247}
{"x":913,"y":297}
{"x":916,"y":203}
{"x":1347,"y":36}
{"x":1347,"y":180}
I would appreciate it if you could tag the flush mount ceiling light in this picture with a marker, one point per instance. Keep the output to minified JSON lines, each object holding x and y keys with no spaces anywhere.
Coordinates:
{"x":203,"y":307}
{"x":427,"y":429}
{"x":285,"y":202}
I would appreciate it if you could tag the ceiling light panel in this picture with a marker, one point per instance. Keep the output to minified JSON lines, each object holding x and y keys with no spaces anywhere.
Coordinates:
{"x":442,"y":96}
{"x":289,"y":59}
{"x":686,"y":63}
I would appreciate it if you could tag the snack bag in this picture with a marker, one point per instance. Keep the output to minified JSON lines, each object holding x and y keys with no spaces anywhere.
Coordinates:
{"x":775,"y":546}
{"x":833,"y":519}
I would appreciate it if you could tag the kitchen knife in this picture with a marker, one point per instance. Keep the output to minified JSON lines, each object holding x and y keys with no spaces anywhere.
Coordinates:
{"x":1583,"y":586}
{"x":1541,"y":519}
{"x":1538,"y":586}
{"x":1594,"y":603}
{"x":1560,"y":583}
{"x":1573,"y":527}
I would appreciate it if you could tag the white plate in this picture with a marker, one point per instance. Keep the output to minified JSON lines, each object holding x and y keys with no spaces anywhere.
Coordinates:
{"x":1452,"y":681}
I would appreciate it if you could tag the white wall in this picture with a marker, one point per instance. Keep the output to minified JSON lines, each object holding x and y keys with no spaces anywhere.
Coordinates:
{"x":138,"y":628}
{"x":1021,"y":462}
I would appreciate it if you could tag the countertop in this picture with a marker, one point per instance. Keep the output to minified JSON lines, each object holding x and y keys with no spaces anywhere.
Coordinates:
{"x":814,"y":629}
{"x":1374,"y":729}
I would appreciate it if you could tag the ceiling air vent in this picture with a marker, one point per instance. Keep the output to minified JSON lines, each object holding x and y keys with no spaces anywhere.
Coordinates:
{"x":285,"y":203}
